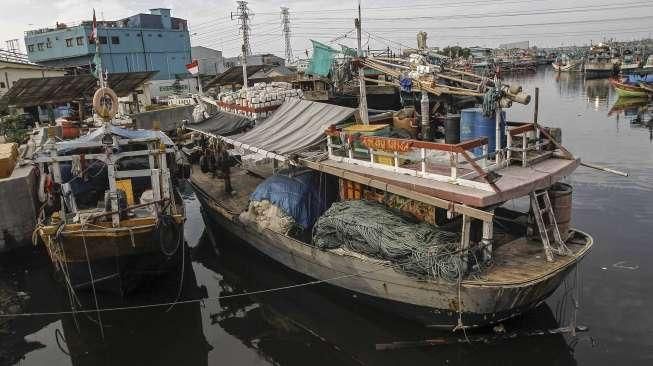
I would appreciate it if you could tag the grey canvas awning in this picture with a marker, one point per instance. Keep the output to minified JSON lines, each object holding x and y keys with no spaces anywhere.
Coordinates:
{"x":223,"y":123}
{"x":297,"y":124}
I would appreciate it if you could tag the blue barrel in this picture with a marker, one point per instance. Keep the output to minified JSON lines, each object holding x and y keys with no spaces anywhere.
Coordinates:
{"x":474,"y":124}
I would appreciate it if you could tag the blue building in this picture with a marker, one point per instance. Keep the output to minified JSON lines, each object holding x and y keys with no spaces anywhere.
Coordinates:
{"x":142,"y":42}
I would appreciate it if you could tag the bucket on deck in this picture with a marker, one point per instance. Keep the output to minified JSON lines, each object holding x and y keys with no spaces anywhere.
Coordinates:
{"x":452,"y":129}
{"x":474,"y":124}
{"x":560,"y":196}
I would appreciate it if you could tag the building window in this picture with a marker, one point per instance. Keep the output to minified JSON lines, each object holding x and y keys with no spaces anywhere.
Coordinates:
{"x":39,"y":46}
{"x":115,"y":40}
{"x":103,"y":40}
{"x":30,"y":48}
{"x":69,"y":42}
{"x":80,"y":41}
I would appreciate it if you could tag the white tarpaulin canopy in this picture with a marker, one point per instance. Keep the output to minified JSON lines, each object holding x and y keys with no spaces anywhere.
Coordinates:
{"x":296,"y":125}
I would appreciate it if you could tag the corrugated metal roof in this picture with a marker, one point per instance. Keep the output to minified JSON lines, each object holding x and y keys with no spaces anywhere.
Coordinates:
{"x":61,"y":89}
{"x":234,"y":75}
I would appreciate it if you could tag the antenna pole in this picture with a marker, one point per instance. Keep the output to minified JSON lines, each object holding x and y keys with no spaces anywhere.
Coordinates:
{"x":362,"y":98}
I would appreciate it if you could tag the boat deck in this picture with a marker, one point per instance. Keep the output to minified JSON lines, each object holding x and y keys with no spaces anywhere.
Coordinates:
{"x":515,"y":261}
{"x":523,"y":260}
{"x":515,"y":181}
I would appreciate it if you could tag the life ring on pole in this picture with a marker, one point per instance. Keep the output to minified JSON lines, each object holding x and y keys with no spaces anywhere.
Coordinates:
{"x":100,"y":99}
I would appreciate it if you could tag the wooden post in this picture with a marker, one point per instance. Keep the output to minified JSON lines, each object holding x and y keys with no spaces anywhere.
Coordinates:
{"x":113,"y":191}
{"x":508,"y":146}
{"x":453,"y":163}
{"x":464,"y":240}
{"x":524,"y":154}
{"x":497,"y":132}
{"x":362,"y":97}
{"x":487,"y":240}
{"x":57,"y":178}
{"x":537,"y":105}
{"x":423,"y":155}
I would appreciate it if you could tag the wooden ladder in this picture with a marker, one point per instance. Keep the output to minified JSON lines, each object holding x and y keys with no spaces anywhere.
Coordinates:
{"x":543,"y":212}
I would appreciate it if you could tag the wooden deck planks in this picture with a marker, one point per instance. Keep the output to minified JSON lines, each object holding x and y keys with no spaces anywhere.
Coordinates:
{"x":523,"y":260}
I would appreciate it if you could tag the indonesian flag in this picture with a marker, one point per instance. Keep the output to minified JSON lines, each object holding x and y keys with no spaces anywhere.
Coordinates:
{"x":93,"y":36}
{"x":193,"y":67}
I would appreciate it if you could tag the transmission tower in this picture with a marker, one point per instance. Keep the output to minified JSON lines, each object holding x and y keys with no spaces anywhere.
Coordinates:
{"x":285,"y":22}
{"x":243,"y":15}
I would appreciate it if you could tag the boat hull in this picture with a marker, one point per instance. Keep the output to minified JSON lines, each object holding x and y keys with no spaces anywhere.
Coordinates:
{"x":434,"y":304}
{"x":115,"y":261}
{"x":624,"y":90}
{"x":571,"y":67}
{"x":594,"y":71}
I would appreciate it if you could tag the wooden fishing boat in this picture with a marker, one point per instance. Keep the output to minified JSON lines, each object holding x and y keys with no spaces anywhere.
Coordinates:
{"x":627,"y":90}
{"x":599,"y":63}
{"x":647,"y":87}
{"x":566,"y":64}
{"x":466,"y":195}
{"x":111,"y":216}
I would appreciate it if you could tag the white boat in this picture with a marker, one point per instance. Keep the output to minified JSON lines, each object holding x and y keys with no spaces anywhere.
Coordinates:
{"x":566,"y":64}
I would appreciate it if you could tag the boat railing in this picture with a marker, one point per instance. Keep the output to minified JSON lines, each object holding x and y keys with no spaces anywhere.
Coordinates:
{"x":434,"y":159}
{"x":527,"y":143}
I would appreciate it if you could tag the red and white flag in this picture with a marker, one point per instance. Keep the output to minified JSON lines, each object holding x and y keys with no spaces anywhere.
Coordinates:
{"x":193,"y":67}
{"x":93,"y":35}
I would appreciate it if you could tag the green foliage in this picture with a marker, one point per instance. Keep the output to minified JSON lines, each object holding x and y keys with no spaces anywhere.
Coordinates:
{"x":454,"y":51}
{"x":14,"y":128}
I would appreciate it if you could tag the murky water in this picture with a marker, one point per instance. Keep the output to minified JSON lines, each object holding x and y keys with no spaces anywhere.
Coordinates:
{"x":317,"y":325}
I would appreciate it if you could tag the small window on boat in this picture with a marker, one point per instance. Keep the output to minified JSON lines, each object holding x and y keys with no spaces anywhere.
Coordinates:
{"x":115,"y":40}
{"x":2,"y":85}
{"x":39,"y":46}
{"x":103,"y":40}
{"x":30,"y":48}
{"x":69,"y":42}
{"x":80,"y":41}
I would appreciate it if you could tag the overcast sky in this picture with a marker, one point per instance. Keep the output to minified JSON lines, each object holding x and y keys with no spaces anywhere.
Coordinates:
{"x":386,"y":23}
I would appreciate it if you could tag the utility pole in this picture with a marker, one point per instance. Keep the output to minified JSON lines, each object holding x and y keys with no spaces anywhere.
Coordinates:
{"x":285,"y":22}
{"x":242,"y":13}
{"x":362,"y":98}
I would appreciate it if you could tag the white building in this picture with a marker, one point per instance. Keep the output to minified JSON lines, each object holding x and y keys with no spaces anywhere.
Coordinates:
{"x":10,"y":72}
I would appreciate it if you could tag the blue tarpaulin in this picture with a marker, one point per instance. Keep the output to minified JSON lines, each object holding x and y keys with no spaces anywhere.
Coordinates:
{"x":304,"y":197}
{"x":636,"y":79}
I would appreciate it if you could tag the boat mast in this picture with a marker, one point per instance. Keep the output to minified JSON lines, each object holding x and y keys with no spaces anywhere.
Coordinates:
{"x":361,"y":72}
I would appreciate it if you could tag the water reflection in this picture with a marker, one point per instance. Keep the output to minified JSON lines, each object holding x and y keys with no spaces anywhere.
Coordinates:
{"x":597,"y":92}
{"x":319,"y":325}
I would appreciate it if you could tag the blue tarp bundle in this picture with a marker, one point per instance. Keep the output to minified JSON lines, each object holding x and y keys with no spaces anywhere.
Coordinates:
{"x":303,"y":197}
{"x":635,"y":79}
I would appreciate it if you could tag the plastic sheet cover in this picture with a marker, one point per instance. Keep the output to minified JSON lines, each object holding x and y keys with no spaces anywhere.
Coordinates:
{"x":304,"y":197}
{"x":322,"y":59}
{"x":296,"y":125}
{"x":97,"y":134}
{"x":224,"y":123}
